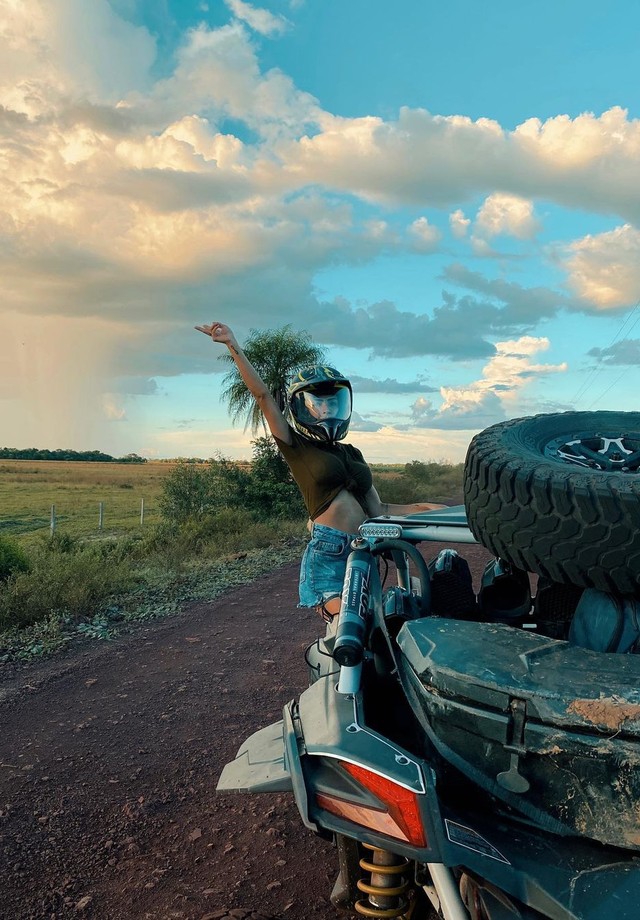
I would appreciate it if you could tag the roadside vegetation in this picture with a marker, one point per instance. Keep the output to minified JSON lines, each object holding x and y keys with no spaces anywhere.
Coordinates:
{"x":210,"y":526}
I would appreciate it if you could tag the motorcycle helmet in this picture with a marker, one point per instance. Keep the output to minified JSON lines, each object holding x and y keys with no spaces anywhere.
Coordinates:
{"x":319,"y":403}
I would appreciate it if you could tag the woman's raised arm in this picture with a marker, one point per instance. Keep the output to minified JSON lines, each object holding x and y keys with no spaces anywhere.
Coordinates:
{"x":278,"y":426}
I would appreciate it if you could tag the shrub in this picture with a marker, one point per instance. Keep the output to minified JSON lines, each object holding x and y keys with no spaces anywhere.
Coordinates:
{"x":12,"y":559}
{"x":188,"y":491}
{"x":265,"y":490}
{"x":73,"y":584}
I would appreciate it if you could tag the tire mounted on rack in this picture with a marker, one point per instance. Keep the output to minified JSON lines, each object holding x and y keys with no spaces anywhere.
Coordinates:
{"x":559,"y":495}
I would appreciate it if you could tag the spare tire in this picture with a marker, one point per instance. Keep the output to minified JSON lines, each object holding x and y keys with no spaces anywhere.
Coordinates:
{"x":559,"y":495}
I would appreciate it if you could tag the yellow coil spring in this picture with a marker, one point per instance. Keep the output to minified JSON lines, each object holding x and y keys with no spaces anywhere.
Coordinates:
{"x":387,"y":889}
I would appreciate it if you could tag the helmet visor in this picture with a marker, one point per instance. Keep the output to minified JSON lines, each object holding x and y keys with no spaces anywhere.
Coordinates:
{"x":332,"y":404}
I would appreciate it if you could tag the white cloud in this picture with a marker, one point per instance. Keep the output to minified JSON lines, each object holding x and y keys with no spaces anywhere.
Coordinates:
{"x":424,"y":235}
{"x":507,"y":214}
{"x":259,"y":20}
{"x":459,"y":223}
{"x":604,"y":269}
{"x":495,"y":395}
{"x":587,"y":162}
{"x":70,"y":48}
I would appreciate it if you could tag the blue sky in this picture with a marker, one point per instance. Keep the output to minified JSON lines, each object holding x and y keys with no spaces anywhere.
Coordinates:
{"x":445,"y":196}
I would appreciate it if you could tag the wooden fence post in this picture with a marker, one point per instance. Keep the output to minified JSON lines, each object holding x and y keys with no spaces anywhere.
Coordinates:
{"x":53,"y":519}
{"x":100,"y":515}
{"x":142,"y":511}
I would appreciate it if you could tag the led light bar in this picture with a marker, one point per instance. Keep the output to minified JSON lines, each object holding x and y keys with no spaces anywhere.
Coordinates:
{"x":390,"y":531}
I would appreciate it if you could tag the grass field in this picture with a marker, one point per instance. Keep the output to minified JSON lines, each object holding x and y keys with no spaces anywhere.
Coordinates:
{"x":28,"y":489}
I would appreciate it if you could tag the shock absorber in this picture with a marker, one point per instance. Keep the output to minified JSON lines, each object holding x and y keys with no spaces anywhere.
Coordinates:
{"x":387,"y":888}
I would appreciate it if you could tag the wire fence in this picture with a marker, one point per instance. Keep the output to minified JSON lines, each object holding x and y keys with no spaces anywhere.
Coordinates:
{"x":89,"y":520}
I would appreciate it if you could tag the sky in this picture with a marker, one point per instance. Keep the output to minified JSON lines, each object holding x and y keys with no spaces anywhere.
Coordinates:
{"x":444,"y":196}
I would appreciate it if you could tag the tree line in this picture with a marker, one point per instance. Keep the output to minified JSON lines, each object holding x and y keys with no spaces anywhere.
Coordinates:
{"x":93,"y":456}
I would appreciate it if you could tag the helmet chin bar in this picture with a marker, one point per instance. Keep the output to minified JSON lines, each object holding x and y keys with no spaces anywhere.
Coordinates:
{"x":332,"y":427}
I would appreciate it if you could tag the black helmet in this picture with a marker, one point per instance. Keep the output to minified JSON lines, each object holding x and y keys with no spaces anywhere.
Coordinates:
{"x":319,"y":401}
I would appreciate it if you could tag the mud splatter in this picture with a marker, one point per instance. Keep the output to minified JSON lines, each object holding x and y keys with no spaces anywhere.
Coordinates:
{"x":609,"y":711}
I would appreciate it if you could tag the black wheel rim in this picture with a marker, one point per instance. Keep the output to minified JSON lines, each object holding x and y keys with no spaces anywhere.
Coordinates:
{"x":607,"y":451}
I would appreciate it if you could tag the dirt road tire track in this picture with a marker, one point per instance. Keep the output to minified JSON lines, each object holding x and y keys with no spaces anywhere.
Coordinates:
{"x":109,"y":758}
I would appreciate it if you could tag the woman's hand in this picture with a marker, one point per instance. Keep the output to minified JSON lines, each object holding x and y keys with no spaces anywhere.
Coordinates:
{"x":220,"y":333}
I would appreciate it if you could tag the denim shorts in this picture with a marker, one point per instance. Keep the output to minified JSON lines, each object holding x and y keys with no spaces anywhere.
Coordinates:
{"x":323,"y":564}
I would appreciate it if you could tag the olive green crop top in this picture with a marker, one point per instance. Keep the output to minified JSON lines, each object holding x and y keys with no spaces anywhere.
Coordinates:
{"x":323,"y":470}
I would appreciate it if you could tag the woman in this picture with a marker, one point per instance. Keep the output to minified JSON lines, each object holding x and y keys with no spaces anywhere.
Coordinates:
{"x":334,"y":479}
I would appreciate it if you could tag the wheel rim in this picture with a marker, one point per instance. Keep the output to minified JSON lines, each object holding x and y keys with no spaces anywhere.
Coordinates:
{"x":609,"y":451}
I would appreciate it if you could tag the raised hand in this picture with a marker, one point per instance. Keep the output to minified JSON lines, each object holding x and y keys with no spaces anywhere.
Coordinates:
{"x":218,"y":332}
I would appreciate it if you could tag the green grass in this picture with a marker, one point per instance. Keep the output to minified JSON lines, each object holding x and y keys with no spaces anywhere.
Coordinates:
{"x":28,"y":489}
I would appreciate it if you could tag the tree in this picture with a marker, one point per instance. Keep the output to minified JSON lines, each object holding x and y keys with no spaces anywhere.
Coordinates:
{"x":272,"y":492}
{"x":276,"y":354}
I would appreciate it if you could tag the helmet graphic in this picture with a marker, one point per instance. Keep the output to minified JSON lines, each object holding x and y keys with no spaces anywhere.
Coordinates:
{"x":319,"y":403}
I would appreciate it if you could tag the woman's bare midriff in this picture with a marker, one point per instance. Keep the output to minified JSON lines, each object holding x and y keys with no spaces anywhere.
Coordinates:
{"x":344,"y":513}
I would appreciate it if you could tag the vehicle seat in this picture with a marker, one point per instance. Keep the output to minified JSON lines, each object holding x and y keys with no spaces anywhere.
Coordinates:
{"x":452,"y":592}
{"x":505,"y":593}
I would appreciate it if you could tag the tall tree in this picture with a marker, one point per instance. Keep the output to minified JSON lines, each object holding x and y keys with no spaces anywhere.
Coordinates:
{"x":276,"y":354}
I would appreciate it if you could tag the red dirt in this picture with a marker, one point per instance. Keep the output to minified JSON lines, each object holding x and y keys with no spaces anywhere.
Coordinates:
{"x":109,"y":758}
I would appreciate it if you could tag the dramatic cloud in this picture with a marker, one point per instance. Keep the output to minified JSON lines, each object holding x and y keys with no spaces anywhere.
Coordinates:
{"x":457,"y":329}
{"x":133,"y":206}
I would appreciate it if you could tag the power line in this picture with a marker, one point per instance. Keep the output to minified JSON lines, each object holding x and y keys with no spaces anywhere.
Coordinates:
{"x":615,"y":382}
{"x":596,"y":371}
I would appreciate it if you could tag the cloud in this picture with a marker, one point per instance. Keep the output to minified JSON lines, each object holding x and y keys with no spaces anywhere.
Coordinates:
{"x":461,"y":328}
{"x":526,"y":306}
{"x":51,"y":50}
{"x":459,"y":223}
{"x":604,"y":269}
{"x":507,"y":214}
{"x":359,"y":423}
{"x":425,"y":237}
{"x":389,"y":385}
{"x":493,"y":397}
{"x":474,"y":409}
{"x":456,"y":329}
{"x":625,"y":353}
{"x":259,"y":20}
{"x":130,"y":204}
{"x":424,"y":159}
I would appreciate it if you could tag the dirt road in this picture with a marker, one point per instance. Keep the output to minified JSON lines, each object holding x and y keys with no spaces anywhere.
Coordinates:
{"x":109,"y":758}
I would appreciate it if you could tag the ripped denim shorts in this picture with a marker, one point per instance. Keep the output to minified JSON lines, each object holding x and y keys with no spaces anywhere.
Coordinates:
{"x":323,"y":564}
